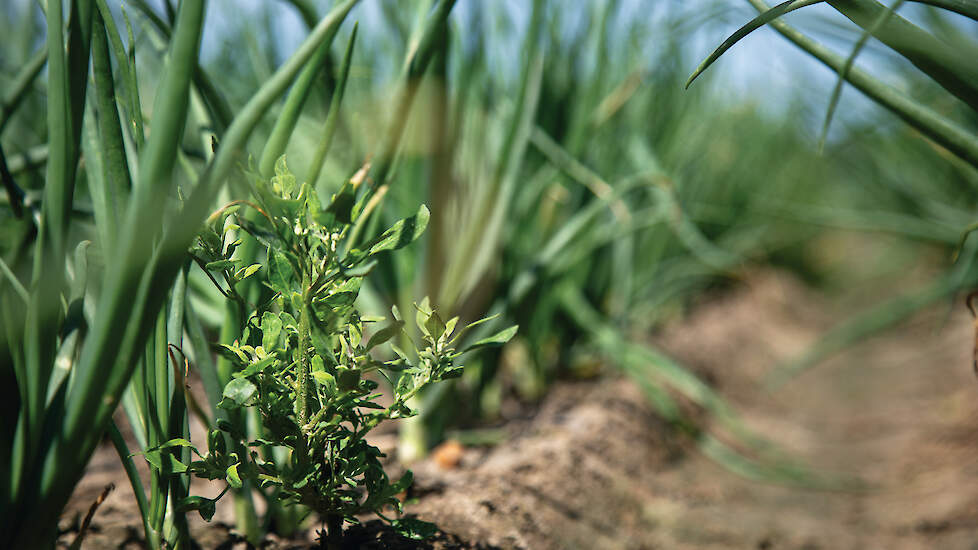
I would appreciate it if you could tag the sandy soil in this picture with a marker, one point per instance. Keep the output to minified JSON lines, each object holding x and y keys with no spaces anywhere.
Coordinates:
{"x":595,"y":468}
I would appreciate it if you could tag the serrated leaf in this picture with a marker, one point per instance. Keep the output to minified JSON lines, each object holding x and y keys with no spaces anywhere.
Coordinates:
{"x":497,"y":339}
{"x":450,"y":327}
{"x":384,"y":335}
{"x":241,"y":391}
{"x":325,"y":380}
{"x":288,"y":321}
{"x":280,"y":273}
{"x":435,"y":326}
{"x":255,"y":368}
{"x":347,"y":379}
{"x":397,"y":236}
{"x":271,"y":328}
{"x":317,"y":364}
{"x":450,"y":372}
{"x":234,"y":480}
{"x":204,"y":506}
{"x":283,"y":182}
{"x":313,"y":206}
{"x":246,"y":272}
{"x":219,"y":265}
{"x":232,"y":352}
{"x":341,"y":205}
{"x":414,"y":529}
{"x":402,"y":484}
{"x":472,"y":325}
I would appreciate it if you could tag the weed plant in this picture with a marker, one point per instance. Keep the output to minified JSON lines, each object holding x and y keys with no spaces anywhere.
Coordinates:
{"x":303,"y":360}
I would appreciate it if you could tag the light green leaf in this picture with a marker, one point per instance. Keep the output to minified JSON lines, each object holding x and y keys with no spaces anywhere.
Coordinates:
{"x":232,"y":476}
{"x":283,"y":182}
{"x":756,"y":23}
{"x":414,"y":529}
{"x":401,"y":233}
{"x":271,"y":328}
{"x":205,"y":506}
{"x":384,"y":334}
{"x":497,"y":339}
{"x":219,"y":265}
{"x":280,"y":272}
{"x":246,"y":272}
{"x":241,"y":390}
{"x":325,"y":380}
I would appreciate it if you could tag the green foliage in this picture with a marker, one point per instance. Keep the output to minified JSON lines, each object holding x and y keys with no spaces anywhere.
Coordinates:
{"x":947,"y":66}
{"x":104,"y":326}
{"x":306,"y":360}
{"x":940,"y":57}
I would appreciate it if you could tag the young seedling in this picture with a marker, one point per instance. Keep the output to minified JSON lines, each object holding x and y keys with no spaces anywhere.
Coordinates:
{"x":306,"y":355}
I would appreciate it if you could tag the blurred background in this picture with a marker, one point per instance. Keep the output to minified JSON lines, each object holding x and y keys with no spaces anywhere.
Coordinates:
{"x":785,"y":311}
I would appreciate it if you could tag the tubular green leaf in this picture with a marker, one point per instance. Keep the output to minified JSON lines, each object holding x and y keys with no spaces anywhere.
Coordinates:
{"x":126,"y":64}
{"x":306,"y":10}
{"x":21,"y":84}
{"x":115,"y":168}
{"x":133,"y":474}
{"x":285,"y":123}
{"x":478,"y":245}
{"x":14,"y":282}
{"x":948,"y":67}
{"x":414,"y":68}
{"x":943,"y":131}
{"x":837,"y":90}
{"x":329,"y":128}
{"x":967,"y":8}
{"x":49,"y":259}
{"x":764,"y":18}
{"x":106,"y":360}
{"x":216,"y":104}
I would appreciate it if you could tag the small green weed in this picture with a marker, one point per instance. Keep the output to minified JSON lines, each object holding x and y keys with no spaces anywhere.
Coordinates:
{"x":305,"y":355}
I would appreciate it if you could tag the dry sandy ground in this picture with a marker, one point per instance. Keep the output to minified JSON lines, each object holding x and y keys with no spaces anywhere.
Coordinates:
{"x":594,"y":468}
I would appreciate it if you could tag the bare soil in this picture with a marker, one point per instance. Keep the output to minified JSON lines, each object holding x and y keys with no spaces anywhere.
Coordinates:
{"x":593,"y":467}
